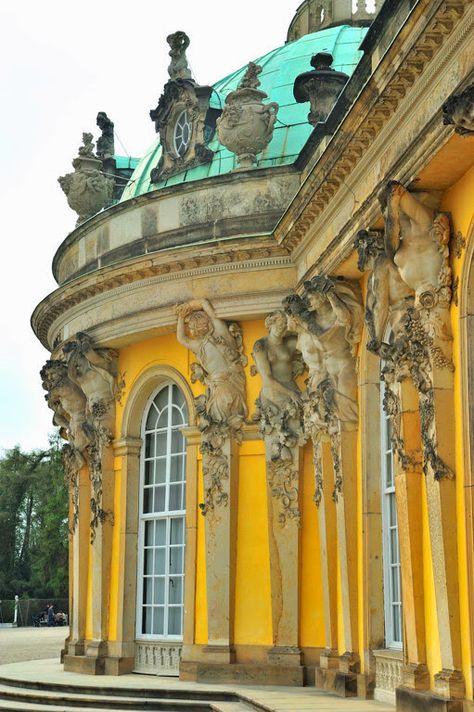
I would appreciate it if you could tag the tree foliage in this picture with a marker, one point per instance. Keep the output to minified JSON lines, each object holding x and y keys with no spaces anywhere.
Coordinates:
{"x":33,"y":523}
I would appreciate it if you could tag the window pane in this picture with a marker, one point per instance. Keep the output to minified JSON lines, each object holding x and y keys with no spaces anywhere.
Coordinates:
{"x":177,"y":441}
{"x":148,"y":500}
{"x":175,"y":498}
{"x":393,"y":511}
{"x":177,"y":396}
{"x":161,"y":439}
{"x":159,"y":591}
{"x":393,"y":546}
{"x":177,"y":531}
{"x":159,"y":503}
{"x":395,"y":584}
{"x":148,"y":568}
{"x":158,"y":618}
{"x":176,"y":468}
{"x":397,"y":627}
{"x":160,"y":532}
{"x":147,"y":590}
{"x":160,"y":561}
{"x":149,"y":526}
{"x":150,"y":445}
{"x":175,"y":592}
{"x":149,"y":472}
{"x":146,"y":620}
{"x":176,"y":560}
{"x":162,"y":398}
{"x":176,"y":417}
{"x":152,"y":417}
{"x":163,"y":419}
{"x":174,"y":620}
{"x":160,"y":471}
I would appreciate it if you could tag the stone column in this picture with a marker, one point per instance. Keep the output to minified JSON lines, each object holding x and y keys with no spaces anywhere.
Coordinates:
{"x":220,"y":469}
{"x":344,"y":449}
{"x":79,"y":544}
{"x":121,"y":652}
{"x":406,"y":441}
{"x":283,"y":535}
{"x":192,"y":436}
{"x":324,"y":489}
{"x":437,"y":421}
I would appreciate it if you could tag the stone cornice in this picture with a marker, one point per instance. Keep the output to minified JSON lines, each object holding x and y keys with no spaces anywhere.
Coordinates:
{"x":237,"y":255}
{"x":397,"y":73}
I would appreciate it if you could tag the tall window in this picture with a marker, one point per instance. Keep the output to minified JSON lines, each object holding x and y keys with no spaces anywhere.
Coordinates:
{"x":391,"y":550}
{"x":162,"y":517}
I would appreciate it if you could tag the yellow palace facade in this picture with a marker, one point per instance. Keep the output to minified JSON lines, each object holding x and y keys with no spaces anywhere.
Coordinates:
{"x":262,"y":363}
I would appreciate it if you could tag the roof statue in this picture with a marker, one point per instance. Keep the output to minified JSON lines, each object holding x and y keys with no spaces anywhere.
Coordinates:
{"x":178,"y":68}
{"x":105,"y":143}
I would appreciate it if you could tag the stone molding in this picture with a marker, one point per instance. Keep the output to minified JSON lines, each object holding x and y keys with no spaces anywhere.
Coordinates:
{"x":377,"y":107}
{"x":150,"y":270}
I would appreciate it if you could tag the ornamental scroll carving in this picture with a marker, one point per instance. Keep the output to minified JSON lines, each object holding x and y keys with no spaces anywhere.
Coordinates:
{"x":222,"y":409}
{"x":328,"y":322}
{"x":82,"y":390}
{"x":409,"y":292}
{"x":279,"y":410}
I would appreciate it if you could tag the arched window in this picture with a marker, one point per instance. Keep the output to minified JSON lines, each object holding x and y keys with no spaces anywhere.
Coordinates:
{"x":162,"y":517}
{"x":391,"y":549}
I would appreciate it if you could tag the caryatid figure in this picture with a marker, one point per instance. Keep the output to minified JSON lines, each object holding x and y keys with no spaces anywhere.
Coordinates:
{"x":94,"y":370}
{"x":68,"y":402}
{"x":416,"y":240}
{"x":277,"y":361}
{"x":388,"y":296}
{"x":218,"y":348}
{"x":336,"y":320}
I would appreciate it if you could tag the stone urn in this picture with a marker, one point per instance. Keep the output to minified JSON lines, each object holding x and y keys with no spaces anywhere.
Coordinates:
{"x":87,"y":189}
{"x":246,"y":124}
{"x":320,"y":87}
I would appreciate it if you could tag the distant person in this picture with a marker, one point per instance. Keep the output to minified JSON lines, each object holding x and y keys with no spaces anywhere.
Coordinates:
{"x":51,"y":616}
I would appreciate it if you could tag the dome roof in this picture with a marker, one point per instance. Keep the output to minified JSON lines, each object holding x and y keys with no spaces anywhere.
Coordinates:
{"x":280,"y":67}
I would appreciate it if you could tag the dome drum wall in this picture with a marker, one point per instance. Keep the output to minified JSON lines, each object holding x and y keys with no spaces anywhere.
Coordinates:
{"x":202,"y":212}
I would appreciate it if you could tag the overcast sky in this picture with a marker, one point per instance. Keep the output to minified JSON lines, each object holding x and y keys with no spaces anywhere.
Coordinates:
{"x":62,"y":61}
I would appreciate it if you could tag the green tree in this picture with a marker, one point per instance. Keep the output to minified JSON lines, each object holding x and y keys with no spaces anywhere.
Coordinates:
{"x":33,"y":523}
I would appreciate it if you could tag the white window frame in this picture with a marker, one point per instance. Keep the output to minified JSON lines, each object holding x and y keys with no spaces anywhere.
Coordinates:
{"x":387,"y":496}
{"x":166,"y":515}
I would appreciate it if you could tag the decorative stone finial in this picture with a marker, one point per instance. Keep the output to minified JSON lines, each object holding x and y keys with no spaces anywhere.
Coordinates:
{"x":320,"y":87}
{"x":87,"y":189}
{"x":246,"y":124}
{"x":178,"y":68}
{"x":459,"y":111}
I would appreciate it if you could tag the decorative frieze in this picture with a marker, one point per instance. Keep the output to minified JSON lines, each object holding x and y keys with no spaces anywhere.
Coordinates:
{"x":157,"y":658}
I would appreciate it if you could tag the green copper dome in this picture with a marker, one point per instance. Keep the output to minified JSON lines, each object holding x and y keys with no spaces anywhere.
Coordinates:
{"x":280,"y":67}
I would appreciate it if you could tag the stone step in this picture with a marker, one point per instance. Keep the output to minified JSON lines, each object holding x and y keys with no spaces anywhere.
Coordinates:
{"x":34,"y":700}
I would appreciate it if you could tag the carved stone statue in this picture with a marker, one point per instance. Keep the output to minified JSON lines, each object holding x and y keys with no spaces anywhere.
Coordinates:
{"x":178,"y":68}
{"x":416,"y":240}
{"x":222,"y":409}
{"x":388,"y":296}
{"x":459,"y":111}
{"x":106,"y":142}
{"x":87,"y":189}
{"x":335,"y":318}
{"x":68,"y":402}
{"x":279,"y":409}
{"x":246,"y":124}
{"x":94,"y":371}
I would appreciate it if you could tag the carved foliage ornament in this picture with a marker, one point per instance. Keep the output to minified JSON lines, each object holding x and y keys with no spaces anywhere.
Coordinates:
{"x":222,"y":409}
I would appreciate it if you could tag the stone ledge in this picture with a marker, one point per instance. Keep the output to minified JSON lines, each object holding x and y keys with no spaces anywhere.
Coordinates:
{"x":343,"y":684}
{"x":408,"y":700}
{"x":243,"y":674}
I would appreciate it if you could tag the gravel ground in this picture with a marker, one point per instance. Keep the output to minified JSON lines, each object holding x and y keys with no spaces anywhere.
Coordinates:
{"x":19,"y":644}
